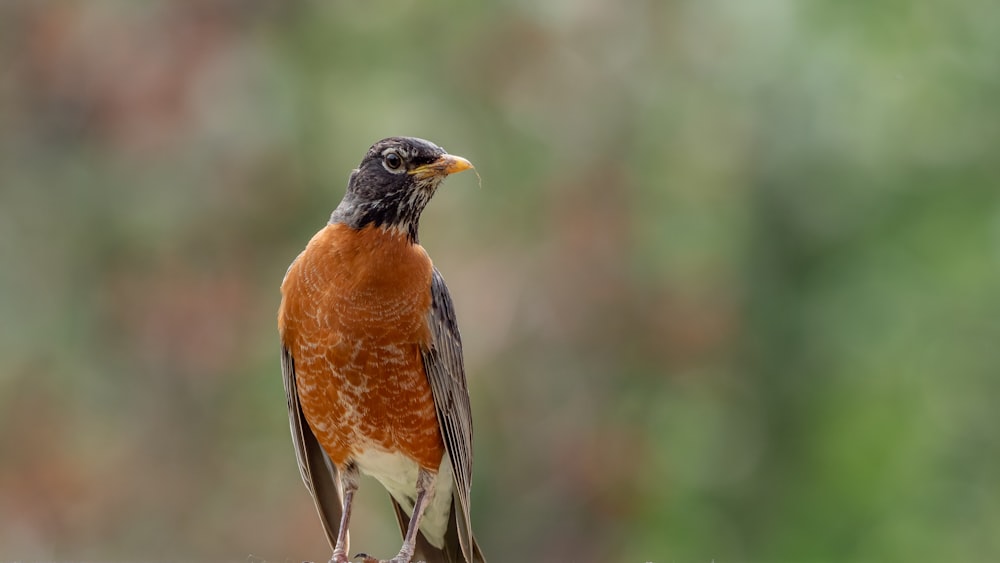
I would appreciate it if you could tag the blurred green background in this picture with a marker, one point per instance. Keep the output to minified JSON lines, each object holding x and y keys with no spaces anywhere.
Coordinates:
{"x":730,"y":288}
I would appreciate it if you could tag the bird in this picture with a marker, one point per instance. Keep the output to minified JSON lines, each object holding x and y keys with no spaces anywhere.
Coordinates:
{"x":371,"y":359}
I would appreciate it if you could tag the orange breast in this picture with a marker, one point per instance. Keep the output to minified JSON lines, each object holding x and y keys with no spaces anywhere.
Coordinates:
{"x":354,"y":316}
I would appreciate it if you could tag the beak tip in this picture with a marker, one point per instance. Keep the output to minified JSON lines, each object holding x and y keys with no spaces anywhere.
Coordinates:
{"x":455,"y":164}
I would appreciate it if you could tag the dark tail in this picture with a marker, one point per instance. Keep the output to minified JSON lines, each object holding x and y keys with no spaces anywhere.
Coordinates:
{"x":451,"y":552}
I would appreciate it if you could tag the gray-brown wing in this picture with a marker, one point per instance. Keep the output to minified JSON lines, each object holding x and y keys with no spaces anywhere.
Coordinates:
{"x":317,"y":471}
{"x":446,"y":372}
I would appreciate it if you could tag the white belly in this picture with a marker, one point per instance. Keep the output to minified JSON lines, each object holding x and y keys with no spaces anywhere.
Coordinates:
{"x":398,"y":474}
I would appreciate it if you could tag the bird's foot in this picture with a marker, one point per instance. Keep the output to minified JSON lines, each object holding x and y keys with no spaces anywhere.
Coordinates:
{"x":365,"y":558}
{"x":339,"y":558}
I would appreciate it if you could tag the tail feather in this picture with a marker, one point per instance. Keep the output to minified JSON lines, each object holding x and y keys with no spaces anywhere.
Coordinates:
{"x":451,"y":552}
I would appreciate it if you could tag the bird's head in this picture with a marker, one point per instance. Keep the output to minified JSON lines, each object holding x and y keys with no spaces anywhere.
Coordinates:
{"x":393,"y":184}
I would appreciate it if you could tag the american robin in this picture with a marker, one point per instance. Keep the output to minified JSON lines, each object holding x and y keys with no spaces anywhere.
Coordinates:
{"x":372,"y":360}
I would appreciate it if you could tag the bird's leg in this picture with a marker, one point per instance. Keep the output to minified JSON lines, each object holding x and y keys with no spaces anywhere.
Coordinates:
{"x":349,"y":479}
{"x":425,"y":488}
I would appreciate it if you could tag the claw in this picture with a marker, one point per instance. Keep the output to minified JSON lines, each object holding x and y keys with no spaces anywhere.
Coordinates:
{"x":365,"y":558}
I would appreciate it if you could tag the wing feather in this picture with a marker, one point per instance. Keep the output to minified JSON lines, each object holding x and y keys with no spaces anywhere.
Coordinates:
{"x":446,"y":373}
{"x":317,"y":471}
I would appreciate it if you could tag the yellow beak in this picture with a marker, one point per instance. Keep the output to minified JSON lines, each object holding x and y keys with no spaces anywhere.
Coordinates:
{"x":446,"y":164}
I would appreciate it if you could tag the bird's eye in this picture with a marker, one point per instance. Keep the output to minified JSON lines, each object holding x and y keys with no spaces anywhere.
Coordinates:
{"x":393,"y":161}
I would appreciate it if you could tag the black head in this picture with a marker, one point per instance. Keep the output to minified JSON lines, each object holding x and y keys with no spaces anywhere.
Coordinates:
{"x":393,"y":184}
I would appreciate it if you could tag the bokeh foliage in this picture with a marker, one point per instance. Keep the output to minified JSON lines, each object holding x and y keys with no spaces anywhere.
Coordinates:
{"x":729,"y":288}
